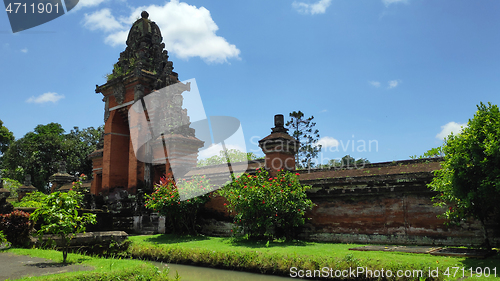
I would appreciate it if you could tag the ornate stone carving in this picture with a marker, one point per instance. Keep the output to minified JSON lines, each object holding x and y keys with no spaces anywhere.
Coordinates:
{"x":138,"y":92}
{"x":106,"y":108}
{"x":119,"y":93}
{"x":146,"y":52}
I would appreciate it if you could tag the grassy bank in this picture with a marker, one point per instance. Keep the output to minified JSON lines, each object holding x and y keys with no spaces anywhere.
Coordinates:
{"x":104,"y":269}
{"x":278,"y":257}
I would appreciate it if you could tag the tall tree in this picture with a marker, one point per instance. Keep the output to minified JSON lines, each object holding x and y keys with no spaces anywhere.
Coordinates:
{"x":303,"y":130}
{"x":38,"y":153}
{"x":6,"y":137}
{"x":469,"y":180}
{"x":78,"y":145}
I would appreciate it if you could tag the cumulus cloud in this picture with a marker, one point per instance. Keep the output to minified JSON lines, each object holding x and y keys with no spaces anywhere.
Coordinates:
{"x":393,"y":84}
{"x":451,"y":127}
{"x":46,"y":97}
{"x":327,"y":142}
{"x":389,"y":2}
{"x":101,"y":20}
{"x":187,"y":31}
{"x":25,"y":50}
{"x":312,"y":9}
{"x":375,"y":84}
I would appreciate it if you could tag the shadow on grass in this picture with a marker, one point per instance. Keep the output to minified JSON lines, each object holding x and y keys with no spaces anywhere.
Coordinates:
{"x":488,"y":266}
{"x":174,"y":239}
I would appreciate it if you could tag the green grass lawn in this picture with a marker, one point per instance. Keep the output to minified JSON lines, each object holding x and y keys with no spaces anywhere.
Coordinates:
{"x":310,"y":255}
{"x":104,"y":269}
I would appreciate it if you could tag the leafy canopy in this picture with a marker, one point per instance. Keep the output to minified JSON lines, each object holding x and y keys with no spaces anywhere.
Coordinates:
{"x":38,"y":153}
{"x":469,"y":181}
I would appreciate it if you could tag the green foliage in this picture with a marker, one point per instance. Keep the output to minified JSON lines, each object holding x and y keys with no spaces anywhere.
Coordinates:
{"x":431,"y":153}
{"x":234,"y":155}
{"x":38,"y":153}
{"x":3,"y":238}
{"x":6,"y":137}
{"x":180,"y":216}
{"x":303,"y":130}
{"x":11,"y":185}
{"x":260,"y":203}
{"x":78,"y":144}
{"x":32,"y":200}
{"x":346,"y":162}
{"x":17,"y":227}
{"x":469,"y":181}
{"x":59,"y":216}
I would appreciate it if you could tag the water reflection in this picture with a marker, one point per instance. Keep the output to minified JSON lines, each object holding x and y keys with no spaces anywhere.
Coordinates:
{"x":197,"y":273}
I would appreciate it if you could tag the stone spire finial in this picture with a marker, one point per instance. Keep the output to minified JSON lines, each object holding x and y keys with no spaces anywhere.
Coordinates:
{"x":62,"y":167}
{"x":144,"y":15}
{"x":27,"y":180}
{"x":279,"y":124}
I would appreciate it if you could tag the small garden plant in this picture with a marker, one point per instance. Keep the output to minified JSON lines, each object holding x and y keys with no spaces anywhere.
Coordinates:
{"x":59,"y":215}
{"x":265,"y":206}
{"x":180,"y":216}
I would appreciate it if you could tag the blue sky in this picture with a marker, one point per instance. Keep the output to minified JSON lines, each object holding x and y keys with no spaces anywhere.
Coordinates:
{"x":401,"y":74}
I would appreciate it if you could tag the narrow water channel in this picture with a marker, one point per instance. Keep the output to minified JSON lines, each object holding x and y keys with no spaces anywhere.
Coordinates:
{"x":198,"y":273}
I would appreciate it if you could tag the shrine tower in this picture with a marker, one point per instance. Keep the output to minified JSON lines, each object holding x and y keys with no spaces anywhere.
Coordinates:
{"x":142,"y":68}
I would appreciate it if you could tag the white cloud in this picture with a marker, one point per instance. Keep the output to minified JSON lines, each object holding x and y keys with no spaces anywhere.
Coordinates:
{"x":101,"y":20}
{"x":450,"y":127}
{"x":187,"y":31}
{"x":324,"y":110}
{"x":86,"y":3}
{"x":327,"y":142}
{"x":312,"y":9}
{"x":25,"y":50}
{"x":389,"y":2}
{"x":375,"y":84}
{"x":47,"y":97}
{"x":393,"y":84}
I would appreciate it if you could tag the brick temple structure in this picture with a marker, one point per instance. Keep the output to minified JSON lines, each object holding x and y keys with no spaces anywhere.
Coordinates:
{"x":143,"y":68}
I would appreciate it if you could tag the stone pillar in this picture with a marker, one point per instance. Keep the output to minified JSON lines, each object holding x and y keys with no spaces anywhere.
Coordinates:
{"x":26,"y":188}
{"x":279,"y":147}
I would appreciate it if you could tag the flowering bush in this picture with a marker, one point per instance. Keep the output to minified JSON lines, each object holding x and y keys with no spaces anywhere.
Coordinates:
{"x":260,"y":203}
{"x":17,"y":227}
{"x":78,"y":188}
{"x":180,"y":216}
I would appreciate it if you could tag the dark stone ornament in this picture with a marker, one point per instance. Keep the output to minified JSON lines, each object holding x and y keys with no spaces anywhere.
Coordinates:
{"x":106,"y":108}
{"x":119,"y":93}
{"x":138,"y":92}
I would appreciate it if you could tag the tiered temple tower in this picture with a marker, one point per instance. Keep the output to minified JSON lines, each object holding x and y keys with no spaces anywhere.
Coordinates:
{"x":143,"y":68}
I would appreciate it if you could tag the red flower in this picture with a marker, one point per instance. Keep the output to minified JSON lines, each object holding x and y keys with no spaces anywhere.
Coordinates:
{"x":263,"y":202}
{"x":297,"y":174}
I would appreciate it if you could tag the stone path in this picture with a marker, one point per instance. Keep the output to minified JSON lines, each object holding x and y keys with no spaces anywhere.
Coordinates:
{"x":14,"y":266}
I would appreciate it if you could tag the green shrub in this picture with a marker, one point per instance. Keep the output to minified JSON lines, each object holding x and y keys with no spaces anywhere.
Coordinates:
{"x":59,"y":215}
{"x":17,"y":227}
{"x":180,"y":216}
{"x":265,"y":206}
{"x":31,"y":200}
